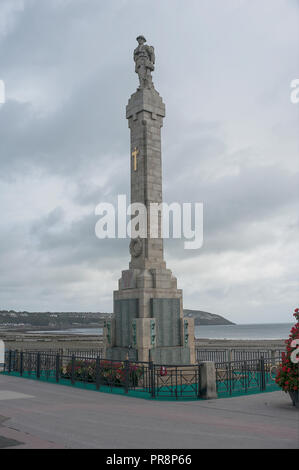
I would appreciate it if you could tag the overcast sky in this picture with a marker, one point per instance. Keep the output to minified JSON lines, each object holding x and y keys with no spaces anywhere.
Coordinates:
{"x":230,"y":140}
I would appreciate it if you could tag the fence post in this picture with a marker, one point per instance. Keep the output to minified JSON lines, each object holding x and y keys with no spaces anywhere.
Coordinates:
{"x":127,"y":371}
{"x":263,"y":379}
{"x":207,"y":373}
{"x":57,"y":367}
{"x":29,"y":367}
{"x":98,"y":377}
{"x":21,"y":362}
{"x":16,"y":360}
{"x":152,"y":378}
{"x":245,"y":377}
{"x":198,"y":382}
{"x":38,"y":365}
{"x":229,"y":375}
{"x":9,"y":360}
{"x":73,"y":370}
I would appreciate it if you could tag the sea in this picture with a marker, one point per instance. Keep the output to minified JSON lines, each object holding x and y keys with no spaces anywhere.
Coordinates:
{"x":250,"y":331}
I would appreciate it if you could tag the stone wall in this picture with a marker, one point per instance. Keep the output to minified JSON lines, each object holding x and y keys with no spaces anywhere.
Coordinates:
{"x":47,"y":342}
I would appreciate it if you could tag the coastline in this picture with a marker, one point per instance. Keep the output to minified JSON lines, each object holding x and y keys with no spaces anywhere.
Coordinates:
{"x":53,"y":340}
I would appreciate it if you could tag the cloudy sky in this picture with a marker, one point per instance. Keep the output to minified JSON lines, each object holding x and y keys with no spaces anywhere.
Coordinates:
{"x":230,"y":140}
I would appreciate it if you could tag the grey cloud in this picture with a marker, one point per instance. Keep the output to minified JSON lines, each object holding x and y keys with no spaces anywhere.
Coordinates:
{"x":76,"y":243}
{"x":69,"y":72}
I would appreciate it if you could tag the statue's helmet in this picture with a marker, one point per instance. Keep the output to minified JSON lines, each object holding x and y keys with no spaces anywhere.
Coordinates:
{"x":141,"y":37}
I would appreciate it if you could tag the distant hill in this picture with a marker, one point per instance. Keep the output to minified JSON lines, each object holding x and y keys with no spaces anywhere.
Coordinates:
{"x":53,"y":320}
{"x":206,"y":318}
{"x":61,"y":320}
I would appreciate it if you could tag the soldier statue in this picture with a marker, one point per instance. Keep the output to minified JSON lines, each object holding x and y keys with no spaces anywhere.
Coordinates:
{"x":144,"y":58}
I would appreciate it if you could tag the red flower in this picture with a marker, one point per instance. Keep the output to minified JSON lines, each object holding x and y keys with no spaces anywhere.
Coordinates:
{"x":287,"y":374}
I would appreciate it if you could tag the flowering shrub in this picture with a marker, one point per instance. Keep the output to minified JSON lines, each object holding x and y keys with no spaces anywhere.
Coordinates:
{"x":287,"y":375}
{"x":82,"y":370}
{"x":111,"y":373}
{"x":115,"y":373}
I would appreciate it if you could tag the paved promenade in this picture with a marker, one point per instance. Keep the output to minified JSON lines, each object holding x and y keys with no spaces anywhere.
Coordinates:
{"x":40,"y":415}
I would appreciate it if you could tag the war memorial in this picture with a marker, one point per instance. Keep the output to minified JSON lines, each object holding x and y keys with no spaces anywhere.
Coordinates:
{"x":112,"y":336}
{"x":148,"y":318}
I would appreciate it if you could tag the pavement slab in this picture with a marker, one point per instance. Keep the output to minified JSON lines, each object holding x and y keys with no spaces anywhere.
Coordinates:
{"x":45,"y":415}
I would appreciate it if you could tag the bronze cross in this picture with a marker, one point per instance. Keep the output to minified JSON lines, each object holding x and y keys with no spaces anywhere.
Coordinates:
{"x":134,"y":155}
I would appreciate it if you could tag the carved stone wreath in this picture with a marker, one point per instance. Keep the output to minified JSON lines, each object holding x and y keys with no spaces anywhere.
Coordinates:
{"x":136,"y":247}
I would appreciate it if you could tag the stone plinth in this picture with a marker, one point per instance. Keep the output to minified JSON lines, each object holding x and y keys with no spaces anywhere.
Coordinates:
{"x":207,"y":373}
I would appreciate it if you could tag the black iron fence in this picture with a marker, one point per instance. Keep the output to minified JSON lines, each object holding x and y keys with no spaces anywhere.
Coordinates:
{"x":177,"y":381}
{"x":246,"y":376}
{"x":144,"y":379}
